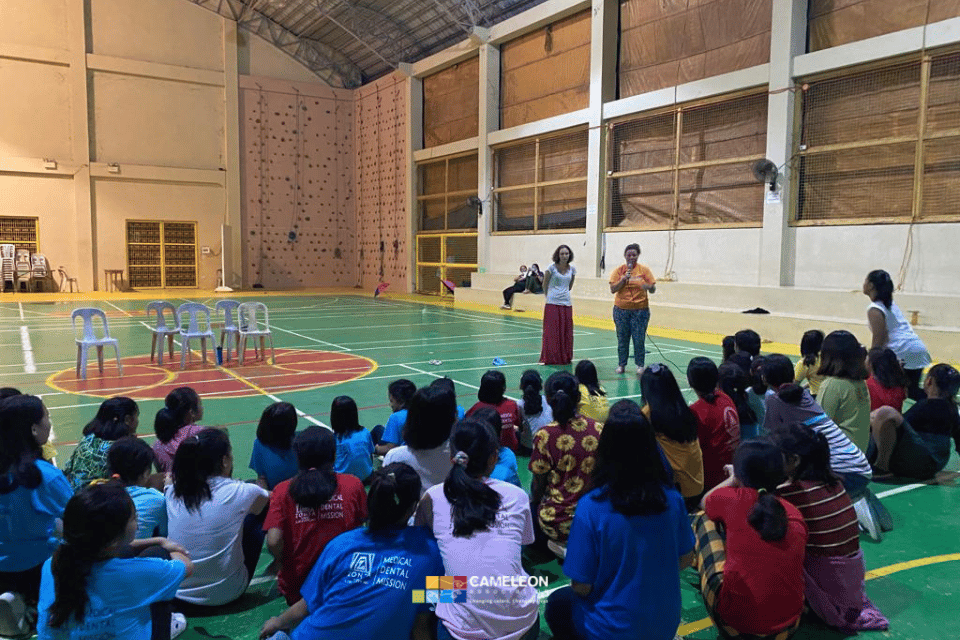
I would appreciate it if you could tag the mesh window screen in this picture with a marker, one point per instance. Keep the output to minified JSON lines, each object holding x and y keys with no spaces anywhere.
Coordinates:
{"x":461,"y":249}
{"x":428,"y":249}
{"x":446,"y":186}
{"x":20,"y":232}
{"x":860,"y":144}
{"x":451,"y":104}
{"x":689,"y":167}
{"x":541,"y":184}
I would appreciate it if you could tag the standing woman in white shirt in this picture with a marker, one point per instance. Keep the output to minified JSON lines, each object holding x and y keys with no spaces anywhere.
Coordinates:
{"x":890,"y":329}
{"x":214,"y":517}
{"x":558,"y":311}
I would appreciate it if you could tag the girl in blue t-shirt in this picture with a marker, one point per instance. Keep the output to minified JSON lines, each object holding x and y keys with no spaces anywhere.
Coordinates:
{"x":129,"y":460}
{"x":364,"y":573}
{"x":33,"y":494}
{"x":506,"y":468}
{"x":354,"y":444}
{"x":614,"y":594}
{"x":272,"y":457}
{"x":93,"y":587}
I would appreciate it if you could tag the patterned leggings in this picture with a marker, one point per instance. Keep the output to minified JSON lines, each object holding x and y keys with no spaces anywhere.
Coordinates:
{"x":711,"y":556}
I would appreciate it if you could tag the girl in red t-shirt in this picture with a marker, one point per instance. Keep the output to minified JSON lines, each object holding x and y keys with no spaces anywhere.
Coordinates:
{"x":493,"y":385}
{"x":311,"y":509}
{"x":718,"y":425}
{"x":752,"y":578}
{"x":887,"y":382}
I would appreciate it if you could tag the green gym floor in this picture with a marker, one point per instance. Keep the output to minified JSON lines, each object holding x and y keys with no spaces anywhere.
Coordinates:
{"x":330,"y":344}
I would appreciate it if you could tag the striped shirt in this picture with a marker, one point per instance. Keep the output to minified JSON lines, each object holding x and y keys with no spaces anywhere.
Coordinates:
{"x":845,"y":456}
{"x":829,"y":514}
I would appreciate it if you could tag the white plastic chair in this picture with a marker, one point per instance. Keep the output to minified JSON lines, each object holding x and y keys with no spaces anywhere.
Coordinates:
{"x":7,"y":270}
{"x":90,"y":339}
{"x":254,"y":320}
{"x":161,"y":328}
{"x":197,"y":325}
{"x":38,"y":269}
{"x":230,"y":330}
{"x":22,"y":266}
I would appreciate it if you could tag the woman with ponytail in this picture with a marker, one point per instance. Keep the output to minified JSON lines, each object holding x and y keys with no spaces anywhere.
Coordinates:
{"x":360,"y":586}
{"x":430,"y":417}
{"x":101,"y":582}
{"x":752,"y":578}
{"x":617,"y":594}
{"x":790,"y":403}
{"x":310,"y":509}
{"x":175,"y":422}
{"x":718,"y":423}
{"x":480,"y":525}
{"x":563,"y":457}
{"x":215,"y":518}
{"x":116,"y":418}
{"x":33,"y":494}
{"x":833,"y":566}
{"x":534,"y":409}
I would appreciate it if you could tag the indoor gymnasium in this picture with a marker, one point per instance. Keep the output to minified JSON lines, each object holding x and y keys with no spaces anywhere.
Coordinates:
{"x":479,"y":319}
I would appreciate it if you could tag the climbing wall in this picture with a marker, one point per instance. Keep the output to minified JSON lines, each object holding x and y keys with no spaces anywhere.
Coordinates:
{"x":298,"y":208}
{"x":380,"y":185}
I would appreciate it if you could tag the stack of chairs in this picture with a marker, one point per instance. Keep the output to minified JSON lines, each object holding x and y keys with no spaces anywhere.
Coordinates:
{"x":22,"y":266}
{"x":7,"y":271}
{"x":38,"y":270}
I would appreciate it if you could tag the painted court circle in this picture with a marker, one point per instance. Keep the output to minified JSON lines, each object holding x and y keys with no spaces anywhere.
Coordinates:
{"x":295,"y":370}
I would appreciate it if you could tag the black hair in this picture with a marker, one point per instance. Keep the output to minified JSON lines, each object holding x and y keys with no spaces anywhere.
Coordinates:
{"x":778,"y":372}
{"x":430,"y":416}
{"x":532,"y":384}
{"x":110,"y":423}
{"x":316,"y":449}
{"x":93,"y":519}
{"x":729,"y":346}
{"x":344,"y":416}
{"x":742,"y":359}
{"x":473,"y":504}
{"x":175,"y":414}
{"x":842,"y":356}
{"x":586,"y":374}
{"x":634,"y":246}
{"x":747,"y":340}
{"x":563,"y":396}
{"x":492,"y":417}
{"x":128,"y":458}
{"x":886,"y":368}
{"x":394,"y":491}
{"x":493,"y":384}
{"x":883,"y":285}
{"x":669,"y":412}
{"x":9,"y":392}
{"x":757,"y":383}
{"x":278,"y":423}
{"x":629,"y":471}
{"x":198,"y":458}
{"x":19,"y":449}
{"x":758,"y":464}
{"x":402,"y":391}
{"x":446,"y":383}
{"x":703,"y":376}
{"x":811,"y":447}
{"x":810,"y":345}
{"x":734,"y":382}
{"x":947,"y":380}
{"x":556,"y":254}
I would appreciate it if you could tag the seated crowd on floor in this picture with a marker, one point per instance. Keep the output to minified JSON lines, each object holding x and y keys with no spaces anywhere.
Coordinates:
{"x":755,"y":485}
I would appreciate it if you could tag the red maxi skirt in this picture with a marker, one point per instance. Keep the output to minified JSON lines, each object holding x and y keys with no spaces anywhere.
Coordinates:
{"x":557,"y":334}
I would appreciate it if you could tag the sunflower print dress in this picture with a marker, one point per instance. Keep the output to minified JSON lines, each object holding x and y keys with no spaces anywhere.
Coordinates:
{"x":567,"y":456}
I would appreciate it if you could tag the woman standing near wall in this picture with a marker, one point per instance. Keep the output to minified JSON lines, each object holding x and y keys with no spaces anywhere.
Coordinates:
{"x":631,"y":282}
{"x":558,"y":311}
{"x":890,"y":329}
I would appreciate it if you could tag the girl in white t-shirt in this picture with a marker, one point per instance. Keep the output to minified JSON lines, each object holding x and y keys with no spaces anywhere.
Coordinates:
{"x":214,"y":517}
{"x":480,"y":525}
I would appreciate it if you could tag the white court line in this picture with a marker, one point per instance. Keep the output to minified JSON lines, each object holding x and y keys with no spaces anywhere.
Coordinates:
{"x":299,"y":335}
{"x":129,"y":315}
{"x":903,"y":489}
{"x":20,"y":306}
{"x":29,"y":366}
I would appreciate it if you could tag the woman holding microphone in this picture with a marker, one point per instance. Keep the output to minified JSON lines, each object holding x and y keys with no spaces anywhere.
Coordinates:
{"x":631,"y":283}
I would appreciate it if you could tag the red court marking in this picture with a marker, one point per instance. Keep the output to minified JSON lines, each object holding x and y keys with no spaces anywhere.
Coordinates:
{"x":296,"y":370}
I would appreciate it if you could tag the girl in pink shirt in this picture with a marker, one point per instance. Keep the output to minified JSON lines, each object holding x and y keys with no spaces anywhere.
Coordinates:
{"x":176,"y":422}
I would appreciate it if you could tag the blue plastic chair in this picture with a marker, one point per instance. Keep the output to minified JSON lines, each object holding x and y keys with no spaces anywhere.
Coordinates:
{"x":90,"y":339}
{"x":159,"y":308}
{"x":196,"y":325}
{"x":255,"y":321}
{"x":230,"y":330}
